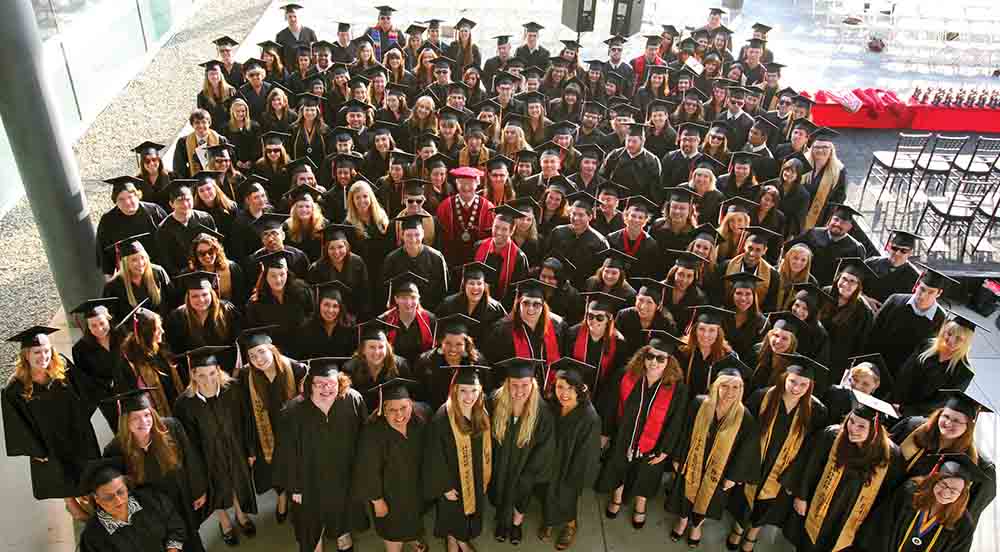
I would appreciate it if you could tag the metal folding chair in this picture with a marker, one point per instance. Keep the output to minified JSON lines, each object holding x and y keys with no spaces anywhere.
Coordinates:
{"x":952,"y":219}
{"x":894,"y":169}
{"x":934,"y":169}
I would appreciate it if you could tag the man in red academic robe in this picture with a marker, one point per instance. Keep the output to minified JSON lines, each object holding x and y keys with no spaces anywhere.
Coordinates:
{"x":466,"y":217}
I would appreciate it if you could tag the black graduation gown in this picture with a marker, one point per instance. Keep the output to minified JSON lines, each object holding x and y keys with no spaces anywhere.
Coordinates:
{"x":639,"y":477}
{"x":775,"y":510}
{"x":217,"y":427}
{"x":676,"y":170}
{"x":312,"y":246}
{"x":594,"y":351}
{"x":116,"y":225}
{"x":182,"y":486}
{"x":547,"y":222}
{"x":924,"y":461}
{"x":487,"y":313}
{"x":891,"y":527}
{"x":313,"y":341}
{"x":748,"y":190}
{"x":217,"y":110}
{"x":627,"y":322}
{"x":297,"y":306}
{"x":256,"y":100}
{"x":434,"y":375}
{"x":605,"y":226}
{"x":917,"y":383}
{"x":54,"y":424}
{"x":638,"y":173}
{"x":662,"y":143}
{"x":699,"y":372}
{"x":389,"y":466}
{"x":681,"y":311}
{"x":890,"y":279}
{"x":175,"y":239}
{"x":898,"y":330}
{"x":182,"y":339}
{"x":846,"y":340}
{"x":409,"y":341}
{"x":318,"y":452}
{"x":803,"y":480}
{"x":357,"y":366}
{"x":234,"y":76}
{"x":814,"y":342}
{"x":148,"y":530}
{"x":298,"y":263}
{"x":96,"y":366}
{"x":838,"y":194}
{"x":826,"y":252}
{"x":127,"y":379}
{"x":429,"y":264}
{"x":575,"y":461}
{"x":581,"y":250}
{"x":742,"y":466}
{"x":795,"y":206}
{"x":156,"y":192}
{"x":290,"y":44}
{"x":442,"y":475}
{"x":518,"y":273}
{"x":650,"y":261}
{"x":500,"y":344}
{"x":743,"y":338}
{"x":116,"y":288}
{"x":273,"y":399}
{"x":516,"y":470}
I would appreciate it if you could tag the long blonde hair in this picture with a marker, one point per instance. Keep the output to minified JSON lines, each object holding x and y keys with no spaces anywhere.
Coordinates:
{"x":224,"y":379}
{"x":216,"y":316}
{"x":56,"y":371}
{"x":511,"y":150}
{"x":735,"y":414}
{"x":224,"y":92}
{"x":378,"y":216}
{"x":480,"y":418}
{"x":786,"y":277}
{"x":233,"y":123}
{"x":148,"y":280}
{"x":503,"y":410}
{"x":937,"y":343}
{"x":161,"y":446}
{"x":299,"y":231}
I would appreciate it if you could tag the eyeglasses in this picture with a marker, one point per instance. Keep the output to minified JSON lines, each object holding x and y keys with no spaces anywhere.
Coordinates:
{"x":899,"y":249}
{"x":597,"y":317}
{"x":947,"y":489}
{"x":784,"y":102}
{"x":120,"y":493}
{"x":325,"y":384}
{"x":662,"y":359}
{"x":414,"y":201}
{"x":715,"y":137}
{"x":206,"y":252}
{"x":273,"y":150}
{"x":532,"y":304}
{"x":954,"y":420}
{"x":440,"y":71}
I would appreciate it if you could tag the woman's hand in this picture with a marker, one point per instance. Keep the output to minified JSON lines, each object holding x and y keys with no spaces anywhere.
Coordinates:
{"x":200,"y":502}
{"x":727,"y":484}
{"x":658,"y":458}
{"x":381,"y":508}
{"x":251,"y":460}
{"x":297,"y":498}
{"x":451,"y":495}
{"x":605,"y":440}
{"x":42,"y":460}
{"x":801,"y":506}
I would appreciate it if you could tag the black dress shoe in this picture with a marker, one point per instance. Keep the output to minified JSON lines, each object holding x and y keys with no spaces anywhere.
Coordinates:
{"x":230,"y":538}
{"x":280,"y":517}
{"x":515,"y":535}
{"x":248,"y":528}
{"x":500,"y":533}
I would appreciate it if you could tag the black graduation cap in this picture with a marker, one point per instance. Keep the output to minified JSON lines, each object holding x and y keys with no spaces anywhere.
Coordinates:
{"x":629,"y":110}
{"x":574,"y":371}
{"x":618,"y":259}
{"x":274,"y":138}
{"x":488,"y":105}
{"x":414,"y":187}
{"x":687,"y":259}
{"x":871,"y":408}
{"x":326,"y":367}
{"x":806,"y":166}
{"x":34,"y":336}
{"x":706,"y":161}
{"x":742,"y":280}
{"x":442,"y":62}
{"x":739,"y":204}
{"x":960,"y":465}
{"x":95,"y":307}
{"x":660,"y":105}
{"x":257,"y":336}
{"x":355,"y":105}
{"x":803,"y":365}
{"x":960,"y":401}
{"x":469,"y":374}
{"x":500,"y":160}
{"x":616,"y":40}
{"x":559,"y":264}
{"x":438,"y":161}
{"x":692,"y":128}
{"x":508,"y":214}
{"x":814,"y":291}
{"x":343,"y":27}
{"x":653,"y":40}
{"x":823,"y":133}
{"x":720,"y":29}
{"x":744,"y":157}
{"x":416,"y":29}
{"x":465,"y":22}
{"x":177,"y":187}
{"x":502,"y":39}
{"x":211,"y":65}
{"x":524,"y":204}
{"x":791,"y":93}
{"x":731,"y":365}
{"x":533,"y":287}
{"x":520,"y":367}
{"x":393,"y":390}
{"x":396,"y":89}
{"x":774,"y":67}
{"x":877,"y":363}
{"x":765,"y":125}
{"x":756,"y":43}
{"x":275,"y":259}
{"x":434,"y":23}
{"x":612,"y":188}
{"x":760,"y":235}
{"x":615,"y":77}
{"x":375,"y":329}
{"x":904,"y":238}
{"x":225,"y":40}
{"x":658,"y":69}
{"x":348,"y":159}
{"x":128,"y":246}
{"x":933,"y":278}
{"x":710,"y":314}
{"x":334,"y":289}
{"x":532,"y":27}
{"x":562,"y":185}
{"x":300,"y":192}
{"x":400,"y":157}
{"x":308,"y":99}
{"x":120,"y":184}
{"x":253,"y":63}
{"x":581,"y":199}
{"x":604,"y":302}
{"x":132,"y":400}
{"x":785,"y":320}
{"x":204,"y":356}
{"x":475,"y":128}
{"x":385,"y":10}
{"x":707,"y":232}
{"x":428,"y":45}
{"x":269,"y":221}
{"x":638,"y":129}
{"x":650,"y":288}
{"x":803,"y":101}
{"x":857,"y":267}
{"x":148,"y":148}
{"x":845,"y":212}
{"x":688,"y":45}
{"x":966,"y":322}
{"x":406,"y":282}
{"x":198,"y":279}
{"x":410,"y":222}
{"x":300,"y":164}
{"x":290,"y":7}
{"x":134,"y":314}
{"x":662,"y":341}
{"x":455,"y":324}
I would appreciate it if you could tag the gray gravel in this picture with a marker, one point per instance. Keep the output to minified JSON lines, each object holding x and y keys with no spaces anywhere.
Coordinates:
{"x":148,"y":108}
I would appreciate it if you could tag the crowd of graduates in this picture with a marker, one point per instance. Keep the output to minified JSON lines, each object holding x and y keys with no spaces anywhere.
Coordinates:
{"x":385,"y":276}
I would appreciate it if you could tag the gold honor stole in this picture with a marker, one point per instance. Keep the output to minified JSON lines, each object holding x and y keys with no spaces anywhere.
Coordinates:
{"x":466,"y":468}
{"x":699,"y":487}
{"x":826,"y":184}
{"x":789,"y":450}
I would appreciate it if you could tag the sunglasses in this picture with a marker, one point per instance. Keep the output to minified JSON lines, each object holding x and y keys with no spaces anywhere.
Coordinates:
{"x":662,"y":359}
{"x":532,"y":304}
{"x":784,"y":102}
{"x":597,"y":317}
{"x":206,"y":252}
{"x":273,"y":150}
{"x":899,"y":249}
{"x":411,"y":201}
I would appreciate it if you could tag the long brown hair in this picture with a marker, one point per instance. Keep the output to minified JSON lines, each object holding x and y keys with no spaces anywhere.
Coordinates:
{"x":56,"y":370}
{"x":772,"y":364}
{"x":924,"y":499}
{"x":480,"y":422}
{"x":720,"y":348}
{"x":928,"y":436}
{"x":637,"y":366}
{"x":361,"y":376}
{"x":774,"y":399}
{"x":216,"y":319}
{"x":162,"y":446}
{"x":865,"y":458}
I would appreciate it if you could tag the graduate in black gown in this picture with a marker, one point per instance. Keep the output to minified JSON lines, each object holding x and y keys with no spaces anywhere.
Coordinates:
{"x":423,"y":260}
{"x":509,"y":263}
{"x":596,"y":340}
{"x":388,"y":470}
{"x":531,"y":330}
{"x":175,"y":232}
{"x":340,"y":263}
{"x":158,"y":456}
{"x":560,"y":295}
{"x":705,"y":348}
{"x":129,"y":217}
{"x":138,"y":280}
{"x":849,"y":318}
{"x":682,"y":291}
{"x":578,"y":241}
{"x":129,"y":521}
{"x":645,"y":406}
{"x":577,"y":454}
{"x":868,"y":374}
{"x":806,"y":305}
{"x":942,"y":364}
{"x":645,"y":314}
{"x":522,"y":430}
{"x":375,"y":362}
{"x":926,"y":513}
{"x":96,"y":353}
{"x":851,"y":467}
{"x":634,"y":240}
{"x":788,"y":415}
{"x":454,"y":347}
{"x":279,"y":298}
{"x":906,"y":320}
{"x":267,"y":381}
{"x":950,"y":429}
{"x":331,"y":330}
{"x":211,"y":411}
{"x":459,"y":460}
{"x":745,"y":327}
{"x":411,"y":325}
{"x":831,"y":243}
{"x":46,"y":419}
{"x":320,"y":433}
{"x":474,"y":299}
{"x":203,"y":319}
{"x":720,"y":448}
{"x":896,"y":274}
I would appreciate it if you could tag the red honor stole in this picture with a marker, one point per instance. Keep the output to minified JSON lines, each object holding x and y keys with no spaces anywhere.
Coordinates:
{"x":509,"y":256}
{"x":523,"y":349}
{"x":607,"y":353}
{"x":634,"y":248}
{"x":656,"y":415}
{"x":423,"y":321}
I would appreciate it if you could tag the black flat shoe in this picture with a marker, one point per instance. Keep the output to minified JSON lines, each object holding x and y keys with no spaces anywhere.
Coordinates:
{"x":675,"y":536}
{"x":500,"y":533}
{"x":612,"y":515}
{"x":515,"y":535}
{"x":636,"y":523}
{"x":248,"y":529}
{"x":730,"y":545}
{"x":230,"y":538}
{"x":280,"y":517}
